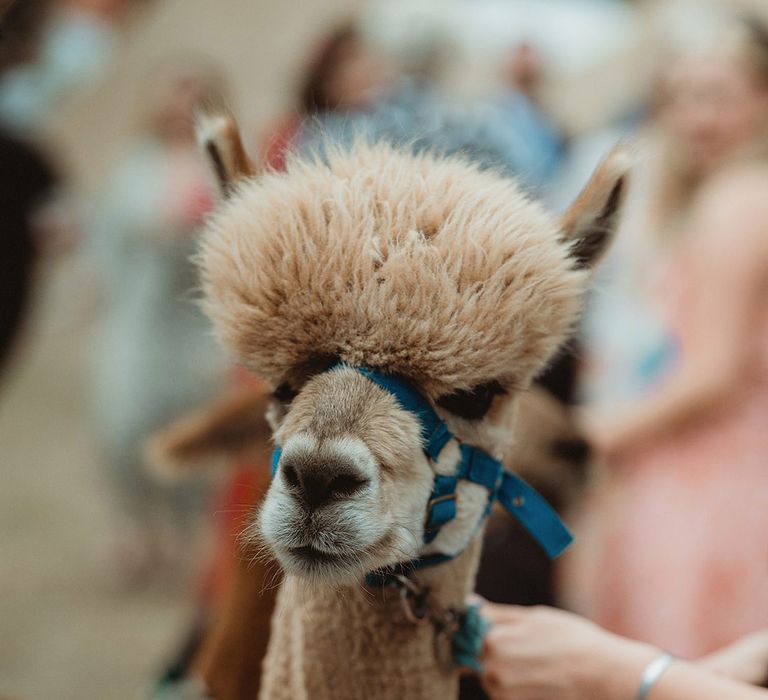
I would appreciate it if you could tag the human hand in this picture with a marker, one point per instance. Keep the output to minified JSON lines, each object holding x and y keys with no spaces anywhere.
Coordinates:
{"x":746,"y":660}
{"x":546,"y":654}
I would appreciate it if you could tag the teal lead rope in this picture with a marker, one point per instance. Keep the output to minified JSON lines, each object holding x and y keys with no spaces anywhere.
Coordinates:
{"x":459,"y":636}
{"x":467,"y":642}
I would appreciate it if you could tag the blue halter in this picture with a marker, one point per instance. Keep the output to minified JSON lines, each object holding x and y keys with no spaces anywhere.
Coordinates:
{"x":519,"y":498}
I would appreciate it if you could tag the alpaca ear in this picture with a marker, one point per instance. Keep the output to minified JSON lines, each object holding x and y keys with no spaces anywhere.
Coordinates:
{"x":591,"y":221}
{"x":232,"y":426}
{"x":219,"y":137}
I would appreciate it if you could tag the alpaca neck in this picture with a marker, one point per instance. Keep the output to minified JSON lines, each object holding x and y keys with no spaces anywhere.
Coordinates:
{"x":355,"y":642}
{"x":452,"y":582}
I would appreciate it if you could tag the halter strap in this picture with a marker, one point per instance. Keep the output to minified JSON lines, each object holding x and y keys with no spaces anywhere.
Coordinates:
{"x":520,"y":499}
{"x":434,"y":432}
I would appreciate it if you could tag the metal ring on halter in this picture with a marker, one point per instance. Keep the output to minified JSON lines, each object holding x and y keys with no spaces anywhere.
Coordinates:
{"x":414,"y":599}
{"x":420,"y":607}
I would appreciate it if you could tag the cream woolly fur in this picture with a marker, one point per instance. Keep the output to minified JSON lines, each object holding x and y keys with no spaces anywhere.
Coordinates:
{"x":425,"y":267}
{"x":422,"y":266}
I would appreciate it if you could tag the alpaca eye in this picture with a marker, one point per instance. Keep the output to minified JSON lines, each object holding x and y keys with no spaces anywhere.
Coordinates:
{"x":472,"y":404}
{"x":285,"y":393}
{"x":317,"y":364}
{"x":301,"y":374}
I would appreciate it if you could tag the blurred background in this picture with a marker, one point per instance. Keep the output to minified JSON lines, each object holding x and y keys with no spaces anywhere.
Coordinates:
{"x":104,"y":567}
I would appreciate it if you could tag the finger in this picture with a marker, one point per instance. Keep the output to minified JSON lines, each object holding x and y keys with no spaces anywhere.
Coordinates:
{"x":495,"y":613}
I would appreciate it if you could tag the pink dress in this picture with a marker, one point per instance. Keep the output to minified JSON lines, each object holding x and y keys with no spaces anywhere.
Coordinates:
{"x":684,"y":558}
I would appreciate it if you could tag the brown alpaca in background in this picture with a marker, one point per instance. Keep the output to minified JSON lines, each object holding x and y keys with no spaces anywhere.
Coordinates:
{"x":415,"y":266}
{"x":231,"y":431}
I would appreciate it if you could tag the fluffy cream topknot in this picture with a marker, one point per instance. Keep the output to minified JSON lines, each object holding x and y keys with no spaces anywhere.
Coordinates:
{"x":419,"y":265}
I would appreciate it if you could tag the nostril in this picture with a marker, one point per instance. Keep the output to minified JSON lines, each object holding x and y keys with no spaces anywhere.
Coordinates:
{"x":323,"y":483}
{"x":314,"y":488}
{"x":346,"y":485}
{"x":290,"y":475}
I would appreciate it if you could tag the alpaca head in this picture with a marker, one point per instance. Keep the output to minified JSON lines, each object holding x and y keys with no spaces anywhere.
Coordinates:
{"x":415,"y":266}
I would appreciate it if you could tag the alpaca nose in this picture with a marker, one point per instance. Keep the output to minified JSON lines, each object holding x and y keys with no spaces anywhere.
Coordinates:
{"x":319,"y":483}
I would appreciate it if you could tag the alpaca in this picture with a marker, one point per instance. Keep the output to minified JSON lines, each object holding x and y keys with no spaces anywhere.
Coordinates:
{"x":341,"y":278}
{"x":549,"y":453}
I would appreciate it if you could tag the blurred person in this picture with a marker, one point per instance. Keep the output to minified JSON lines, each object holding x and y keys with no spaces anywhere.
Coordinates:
{"x":351,"y":89}
{"x":545,"y":654}
{"x":344,"y":74}
{"x":155,"y":356}
{"x":28,"y":182}
{"x":76,"y":44}
{"x":682,"y":524}
{"x":539,"y":140}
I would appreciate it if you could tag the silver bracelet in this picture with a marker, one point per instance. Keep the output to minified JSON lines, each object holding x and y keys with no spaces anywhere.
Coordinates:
{"x":652,"y":673}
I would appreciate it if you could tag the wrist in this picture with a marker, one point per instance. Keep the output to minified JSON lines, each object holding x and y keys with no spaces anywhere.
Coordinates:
{"x":622,"y":665}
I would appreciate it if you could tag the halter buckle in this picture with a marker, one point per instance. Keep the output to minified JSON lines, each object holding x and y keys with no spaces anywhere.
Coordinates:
{"x":431,"y":527}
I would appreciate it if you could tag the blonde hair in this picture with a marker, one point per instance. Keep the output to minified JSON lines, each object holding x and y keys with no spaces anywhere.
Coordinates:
{"x":673,"y":183}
